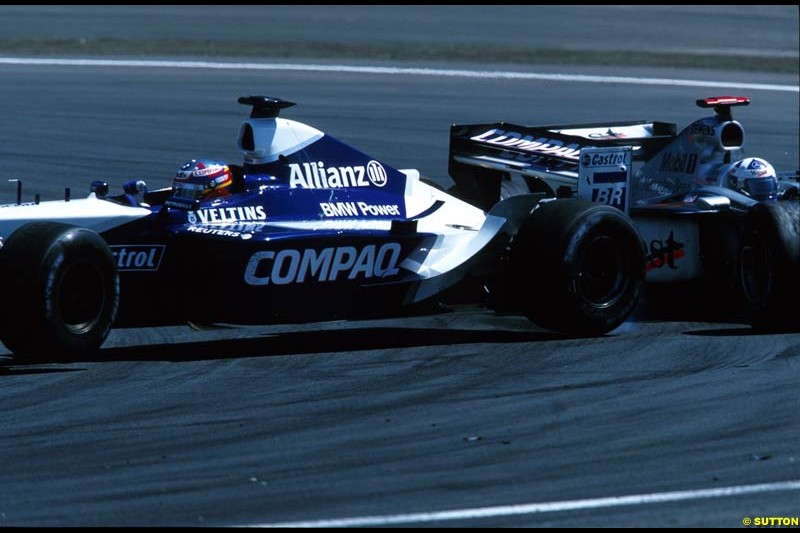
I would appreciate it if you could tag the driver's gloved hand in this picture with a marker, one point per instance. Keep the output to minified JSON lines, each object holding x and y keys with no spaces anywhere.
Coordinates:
{"x":135,"y":187}
{"x":135,"y":191}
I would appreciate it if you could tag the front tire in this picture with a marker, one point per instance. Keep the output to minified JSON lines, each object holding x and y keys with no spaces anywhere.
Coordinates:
{"x":580,"y":266}
{"x":64,"y":290}
{"x":767,"y":268}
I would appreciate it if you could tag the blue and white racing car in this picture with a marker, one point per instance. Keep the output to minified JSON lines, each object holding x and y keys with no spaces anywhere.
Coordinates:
{"x":307,"y":229}
{"x":310,"y":229}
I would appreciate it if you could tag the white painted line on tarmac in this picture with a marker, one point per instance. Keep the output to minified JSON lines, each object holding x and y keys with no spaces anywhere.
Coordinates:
{"x":550,"y":507}
{"x":352,"y":69}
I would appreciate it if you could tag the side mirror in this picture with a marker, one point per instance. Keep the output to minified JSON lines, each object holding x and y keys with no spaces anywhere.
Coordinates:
{"x":99,"y":188}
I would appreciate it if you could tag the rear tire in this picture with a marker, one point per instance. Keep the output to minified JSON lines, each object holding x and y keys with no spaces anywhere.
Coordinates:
{"x":580,"y":266}
{"x":64,"y":295}
{"x":767,"y":268}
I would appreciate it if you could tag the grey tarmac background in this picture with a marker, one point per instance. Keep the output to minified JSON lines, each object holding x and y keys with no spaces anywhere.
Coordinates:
{"x":458,"y":410}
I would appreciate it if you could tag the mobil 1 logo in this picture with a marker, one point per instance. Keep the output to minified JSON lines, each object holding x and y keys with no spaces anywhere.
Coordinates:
{"x":604,"y":175}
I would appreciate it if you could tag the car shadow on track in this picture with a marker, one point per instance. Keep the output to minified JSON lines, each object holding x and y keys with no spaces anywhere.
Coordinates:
{"x":312,"y":342}
{"x":8,"y":368}
{"x":693,"y":302}
{"x":688,"y":302}
{"x":300,"y":343}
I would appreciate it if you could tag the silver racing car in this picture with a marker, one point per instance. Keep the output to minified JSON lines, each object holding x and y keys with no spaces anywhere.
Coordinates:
{"x":702,"y":210}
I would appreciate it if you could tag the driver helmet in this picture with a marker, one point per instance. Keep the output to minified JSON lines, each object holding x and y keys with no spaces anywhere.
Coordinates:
{"x":202,"y":179}
{"x":754,"y":177}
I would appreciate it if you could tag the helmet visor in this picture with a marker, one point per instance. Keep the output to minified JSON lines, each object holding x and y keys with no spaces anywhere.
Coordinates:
{"x":189,"y":191}
{"x":761,"y":188}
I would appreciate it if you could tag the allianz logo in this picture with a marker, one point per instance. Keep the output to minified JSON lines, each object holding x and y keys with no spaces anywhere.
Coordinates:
{"x":315,"y":175}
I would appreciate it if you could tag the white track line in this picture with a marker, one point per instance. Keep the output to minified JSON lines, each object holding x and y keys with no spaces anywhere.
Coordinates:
{"x":551,"y":507}
{"x":350,"y":69}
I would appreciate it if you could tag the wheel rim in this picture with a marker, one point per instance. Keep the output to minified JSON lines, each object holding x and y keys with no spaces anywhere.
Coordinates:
{"x":81,"y":297}
{"x":754,"y":267}
{"x":602,"y":275}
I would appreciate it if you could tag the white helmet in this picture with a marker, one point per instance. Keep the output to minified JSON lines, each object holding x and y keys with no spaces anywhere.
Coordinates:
{"x":754,"y":177}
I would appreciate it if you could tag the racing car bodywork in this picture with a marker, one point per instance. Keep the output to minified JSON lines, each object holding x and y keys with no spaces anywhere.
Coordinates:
{"x":561,"y":223}
{"x":313,"y":229}
{"x":692,"y":224}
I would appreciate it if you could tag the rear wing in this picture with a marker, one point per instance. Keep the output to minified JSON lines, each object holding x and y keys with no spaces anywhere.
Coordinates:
{"x":481,"y":155}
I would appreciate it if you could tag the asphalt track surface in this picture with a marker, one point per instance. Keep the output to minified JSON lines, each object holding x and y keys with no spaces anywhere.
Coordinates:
{"x":763,"y":31}
{"x":456,"y":411}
